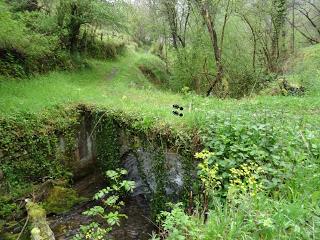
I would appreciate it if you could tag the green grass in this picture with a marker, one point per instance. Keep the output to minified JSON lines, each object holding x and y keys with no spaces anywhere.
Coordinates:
{"x":119,"y":85}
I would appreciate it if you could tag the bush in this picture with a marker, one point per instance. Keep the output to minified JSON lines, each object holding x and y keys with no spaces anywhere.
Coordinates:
{"x":23,"y":51}
{"x":103,"y":50}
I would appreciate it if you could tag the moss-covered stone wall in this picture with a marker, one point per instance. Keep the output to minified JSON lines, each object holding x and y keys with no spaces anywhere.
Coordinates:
{"x":69,"y":143}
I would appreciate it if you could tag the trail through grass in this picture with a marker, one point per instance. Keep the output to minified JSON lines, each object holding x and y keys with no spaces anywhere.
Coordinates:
{"x":119,"y":85}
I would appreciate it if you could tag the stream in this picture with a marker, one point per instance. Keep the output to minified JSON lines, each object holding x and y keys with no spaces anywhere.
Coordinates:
{"x":137,"y":226}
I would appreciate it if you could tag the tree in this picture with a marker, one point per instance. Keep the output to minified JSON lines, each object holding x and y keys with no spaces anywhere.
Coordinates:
{"x":73,"y":14}
{"x":308,"y":25}
{"x":177,"y":14}
{"x":208,"y":10}
{"x":266,"y":21}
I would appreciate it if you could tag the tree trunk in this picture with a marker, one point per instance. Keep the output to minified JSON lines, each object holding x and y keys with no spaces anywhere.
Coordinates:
{"x":255,"y":42}
{"x":215,"y":45}
{"x":74,"y":29}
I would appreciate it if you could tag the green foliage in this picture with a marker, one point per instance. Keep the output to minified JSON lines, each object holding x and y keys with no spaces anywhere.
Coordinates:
{"x":275,"y":147}
{"x":26,"y":47}
{"x":191,"y":67}
{"x":73,"y":15}
{"x":106,"y":134}
{"x":154,"y":69}
{"x":176,"y":225}
{"x":7,"y":207}
{"x":24,"y":5}
{"x":30,"y":148}
{"x":91,"y":231}
{"x":104,"y":49}
{"x":36,"y":41}
{"x":292,"y":214}
{"x":303,"y":69}
{"x":109,"y":211}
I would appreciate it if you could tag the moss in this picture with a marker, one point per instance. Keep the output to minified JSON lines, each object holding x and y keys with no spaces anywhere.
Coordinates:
{"x":159,"y":198}
{"x":61,"y":200}
{"x":35,"y":211}
{"x":38,"y":223}
{"x":30,"y":148}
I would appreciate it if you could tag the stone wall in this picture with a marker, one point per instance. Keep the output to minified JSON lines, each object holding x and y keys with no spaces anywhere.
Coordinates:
{"x":145,"y":160}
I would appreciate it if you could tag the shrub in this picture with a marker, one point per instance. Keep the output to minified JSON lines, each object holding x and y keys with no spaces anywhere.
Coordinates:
{"x":24,"y":51}
{"x":103,"y":50}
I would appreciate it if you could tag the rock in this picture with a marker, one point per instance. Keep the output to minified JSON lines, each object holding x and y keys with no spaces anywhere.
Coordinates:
{"x":61,"y":200}
{"x":290,"y":89}
{"x":40,"y":229}
{"x":140,"y":164}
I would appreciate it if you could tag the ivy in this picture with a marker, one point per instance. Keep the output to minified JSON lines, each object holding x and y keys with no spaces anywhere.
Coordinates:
{"x":107,"y":144}
{"x":159,"y":198}
{"x":30,"y":146}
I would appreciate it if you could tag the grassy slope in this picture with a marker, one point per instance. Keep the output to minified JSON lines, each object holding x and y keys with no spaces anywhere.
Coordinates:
{"x":119,"y":85}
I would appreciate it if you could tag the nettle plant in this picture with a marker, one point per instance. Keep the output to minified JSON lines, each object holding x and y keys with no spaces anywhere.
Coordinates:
{"x":109,"y":211}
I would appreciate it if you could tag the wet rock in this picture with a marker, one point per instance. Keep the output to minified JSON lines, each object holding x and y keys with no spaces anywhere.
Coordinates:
{"x":140,"y":164}
{"x":174,"y":173}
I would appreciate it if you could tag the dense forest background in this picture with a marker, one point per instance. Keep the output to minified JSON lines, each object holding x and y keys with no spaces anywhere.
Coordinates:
{"x":217,"y":47}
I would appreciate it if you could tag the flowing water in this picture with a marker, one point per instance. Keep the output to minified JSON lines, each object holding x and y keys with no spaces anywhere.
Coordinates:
{"x":137,"y":226}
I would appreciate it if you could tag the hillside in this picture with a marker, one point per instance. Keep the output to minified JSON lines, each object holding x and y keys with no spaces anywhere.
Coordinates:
{"x":162,"y":120}
{"x":120,"y":85}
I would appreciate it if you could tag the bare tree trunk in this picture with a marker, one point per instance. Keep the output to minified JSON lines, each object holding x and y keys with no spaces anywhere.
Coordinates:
{"x":170,"y":8}
{"x":255,"y":43}
{"x":215,"y":44}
